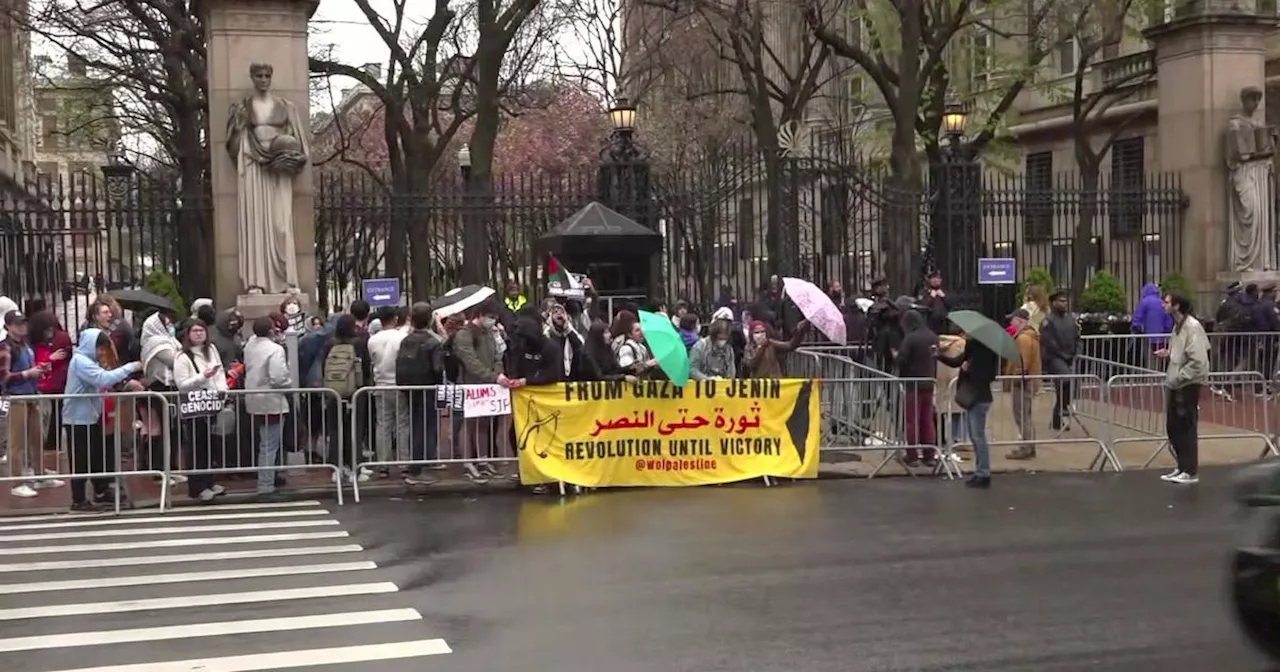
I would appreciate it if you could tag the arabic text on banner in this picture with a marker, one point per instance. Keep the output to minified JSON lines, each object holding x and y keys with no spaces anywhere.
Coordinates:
{"x":483,"y":401}
{"x":652,"y":433}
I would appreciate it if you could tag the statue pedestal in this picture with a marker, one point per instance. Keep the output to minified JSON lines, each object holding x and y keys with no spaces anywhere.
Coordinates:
{"x":240,"y":33}
{"x":253,"y":306}
{"x":1246,"y":278}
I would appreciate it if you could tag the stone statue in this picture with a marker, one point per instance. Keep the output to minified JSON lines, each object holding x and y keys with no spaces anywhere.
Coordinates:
{"x":1250,"y":146}
{"x":267,"y":140}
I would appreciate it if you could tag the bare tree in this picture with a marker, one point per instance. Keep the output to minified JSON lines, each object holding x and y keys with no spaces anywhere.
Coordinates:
{"x":149,"y":81}
{"x":915,"y":84}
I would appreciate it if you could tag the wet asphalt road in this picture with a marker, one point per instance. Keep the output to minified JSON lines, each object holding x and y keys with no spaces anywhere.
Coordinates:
{"x":1044,"y":572}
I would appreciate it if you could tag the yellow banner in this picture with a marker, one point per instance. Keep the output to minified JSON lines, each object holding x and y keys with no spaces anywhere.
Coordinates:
{"x":652,"y":433}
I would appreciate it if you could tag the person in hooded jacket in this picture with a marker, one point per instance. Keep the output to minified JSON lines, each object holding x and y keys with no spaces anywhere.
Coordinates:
{"x":712,"y":356}
{"x":226,"y":337}
{"x":1150,"y":319}
{"x":536,"y":360}
{"x":53,"y":346}
{"x":562,"y":332}
{"x":94,"y":369}
{"x":346,"y":332}
{"x":916,"y":360}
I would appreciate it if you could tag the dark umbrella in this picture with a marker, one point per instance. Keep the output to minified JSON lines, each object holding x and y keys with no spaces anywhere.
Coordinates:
{"x":139,"y":300}
{"x":982,"y":329}
{"x":459,"y":299}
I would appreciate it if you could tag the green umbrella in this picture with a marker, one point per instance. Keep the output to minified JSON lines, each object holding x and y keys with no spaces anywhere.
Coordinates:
{"x":985,"y":331}
{"x":666,"y":345}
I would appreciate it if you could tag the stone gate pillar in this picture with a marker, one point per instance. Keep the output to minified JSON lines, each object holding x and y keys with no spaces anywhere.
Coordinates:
{"x":240,"y":33}
{"x":1206,"y":53}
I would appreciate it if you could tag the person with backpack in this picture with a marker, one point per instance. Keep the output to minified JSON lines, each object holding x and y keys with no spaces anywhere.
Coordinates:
{"x":391,"y":417}
{"x":346,"y":366}
{"x":420,"y":363}
{"x":479,"y":363}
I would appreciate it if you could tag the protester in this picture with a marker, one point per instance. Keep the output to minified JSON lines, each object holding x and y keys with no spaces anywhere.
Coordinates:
{"x":480,"y":363}
{"x":361,"y":310}
{"x":978,"y":367}
{"x":1027,"y":383}
{"x":712,"y":356}
{"x":391,"y":416}
{"x":628,"y":345}
{"x":764,"y":355}
{"x":1059,"y":341}
{"x":291,"y":308}
{"x":535,"y":359}
{"x":682,"y":309}
{"x":689,"y":330}
{"x":419,"y":362}
{"x":598,"y":360}
{"x":197,"y":367}
{"x":915,"y":360}
{"x":52,"y":346}
{"x":347,"y":365}
{"x":20,"y":376}
{"x":934,"y":300}
{"x":563,"y":333}
{"x":226,"y":336}
{"x":267,"y":370}
{"x":159,"y":349}
{"x":1188,"y":355}
{"x":94,"y":370}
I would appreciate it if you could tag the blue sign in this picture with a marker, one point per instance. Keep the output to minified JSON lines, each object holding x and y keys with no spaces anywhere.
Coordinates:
{"x":382,"y":291}
{"x":997,"y":271}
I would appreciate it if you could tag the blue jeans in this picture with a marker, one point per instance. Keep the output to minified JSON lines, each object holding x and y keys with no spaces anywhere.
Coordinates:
{"x":270,"y":437}
{"x":975,"y":419}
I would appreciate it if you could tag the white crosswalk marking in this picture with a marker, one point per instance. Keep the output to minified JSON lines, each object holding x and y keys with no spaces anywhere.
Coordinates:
{"x":103,"y":594}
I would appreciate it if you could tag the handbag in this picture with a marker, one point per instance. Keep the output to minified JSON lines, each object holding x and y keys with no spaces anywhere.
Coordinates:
{"x":966,"y":396}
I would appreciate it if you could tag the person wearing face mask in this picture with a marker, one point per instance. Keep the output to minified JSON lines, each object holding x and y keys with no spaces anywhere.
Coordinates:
{"x":712,"y":356}
{"x":567,"y":340}
{"x":764,"y":355}
{"x":225,"y":336}
{"x":479,"y":363}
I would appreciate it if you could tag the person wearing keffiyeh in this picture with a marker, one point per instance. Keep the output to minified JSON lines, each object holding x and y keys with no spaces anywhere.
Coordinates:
{"x":560,"y":331}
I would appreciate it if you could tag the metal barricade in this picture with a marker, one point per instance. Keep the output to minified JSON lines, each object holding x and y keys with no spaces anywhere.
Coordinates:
{"x":421,"y":429}
{"x":1228,"y":352}
{"x":1139,"y":402}
{"x":1016,"y":409}
{"x":311,"y":435}
{"x":854,"y":395}
{"x":128,"y":440}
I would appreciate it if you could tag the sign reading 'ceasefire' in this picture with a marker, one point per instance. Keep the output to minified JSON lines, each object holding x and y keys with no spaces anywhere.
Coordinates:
{"x":652,"y":433}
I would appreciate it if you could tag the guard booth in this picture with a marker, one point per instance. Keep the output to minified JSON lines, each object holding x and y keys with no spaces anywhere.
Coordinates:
{"x":616,"y":252}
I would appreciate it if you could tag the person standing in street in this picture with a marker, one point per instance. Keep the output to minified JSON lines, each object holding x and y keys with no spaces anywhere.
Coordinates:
{"x":1059,"y":338}
{"x":1024,"y":388}
{"x":915,"y":361}
{"x":979,"y":366}
{"x":266,"y":368}
{"x":1188,"y":370}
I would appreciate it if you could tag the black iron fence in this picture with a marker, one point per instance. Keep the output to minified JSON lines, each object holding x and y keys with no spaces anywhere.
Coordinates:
{"x":64,"y":237}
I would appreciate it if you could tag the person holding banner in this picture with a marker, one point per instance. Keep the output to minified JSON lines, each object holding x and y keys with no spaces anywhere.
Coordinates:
{"x":198,"y":367}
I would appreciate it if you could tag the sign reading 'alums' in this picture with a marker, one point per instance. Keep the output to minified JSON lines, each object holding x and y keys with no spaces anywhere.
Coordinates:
{"x":652,"y":433}
{"x":200,"y":403}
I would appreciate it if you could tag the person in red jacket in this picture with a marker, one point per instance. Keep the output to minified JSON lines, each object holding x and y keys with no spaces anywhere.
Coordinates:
{"x":52,"y":345}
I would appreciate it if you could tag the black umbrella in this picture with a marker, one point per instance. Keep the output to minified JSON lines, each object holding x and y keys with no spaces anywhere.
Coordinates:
{"x":459,"y":299}
{"x":139,"y":300}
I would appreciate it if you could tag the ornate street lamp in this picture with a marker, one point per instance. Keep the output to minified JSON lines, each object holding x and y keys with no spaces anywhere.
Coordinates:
{"x":623,"y":116}
{"x":954,"y":119}
{"x":119,"y":174}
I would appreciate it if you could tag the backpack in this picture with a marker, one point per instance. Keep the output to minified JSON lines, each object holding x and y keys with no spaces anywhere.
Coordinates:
{"x":447,"y":362}
{"x":342,"y":372}
{"x":416,"y":360}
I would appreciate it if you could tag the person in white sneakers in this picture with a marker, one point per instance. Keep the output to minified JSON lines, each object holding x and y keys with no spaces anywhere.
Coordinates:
{"x":1188,"y":355}
{"x":25,"y":434}
{"x":198,"y":367}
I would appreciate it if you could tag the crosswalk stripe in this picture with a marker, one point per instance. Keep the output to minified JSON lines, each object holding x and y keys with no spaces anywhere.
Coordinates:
{"x":289,"y":659}
{"x":169,"y":543}
{"x":188,"y":601}
{"x":148,"y":531}
{"x":136,"y":520}
{"x":185,"y":557}
{"x":261,"y":625}
{"x":177,"y":512}
{"x":184,"y":577}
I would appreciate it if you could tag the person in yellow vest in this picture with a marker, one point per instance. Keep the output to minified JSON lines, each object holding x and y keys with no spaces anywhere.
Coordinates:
{"x":514,"y":299}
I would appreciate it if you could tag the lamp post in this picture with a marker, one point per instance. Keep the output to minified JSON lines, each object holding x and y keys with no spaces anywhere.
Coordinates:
{"x":955,"y":238}
{"x":474,"y":253}
{"x":622,"y":178}
{"x":118,"y":175}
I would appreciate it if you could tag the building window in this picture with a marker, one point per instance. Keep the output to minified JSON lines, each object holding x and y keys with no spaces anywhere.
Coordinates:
{"x":1068,"y":56}
{"x":746,"y":228}
{"x":981,"y":57}
{"x":1151,"y":267}
{"x":49,"y":131}
{"x":834,"y":218}
{"x":1037,"y":205}
{"x":1125,"y":195}
{"x":1060,"y":262}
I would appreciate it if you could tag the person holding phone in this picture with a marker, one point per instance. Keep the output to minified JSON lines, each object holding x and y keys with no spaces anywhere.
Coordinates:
{"x":198,"y":367}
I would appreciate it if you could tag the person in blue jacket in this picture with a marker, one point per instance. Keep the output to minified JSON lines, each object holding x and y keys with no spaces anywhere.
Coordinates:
{"x":94,"y":369}
{"x":1150,"y":319}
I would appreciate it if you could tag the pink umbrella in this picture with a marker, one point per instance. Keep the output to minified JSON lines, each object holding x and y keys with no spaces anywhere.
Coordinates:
{"x":816,"y":307}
